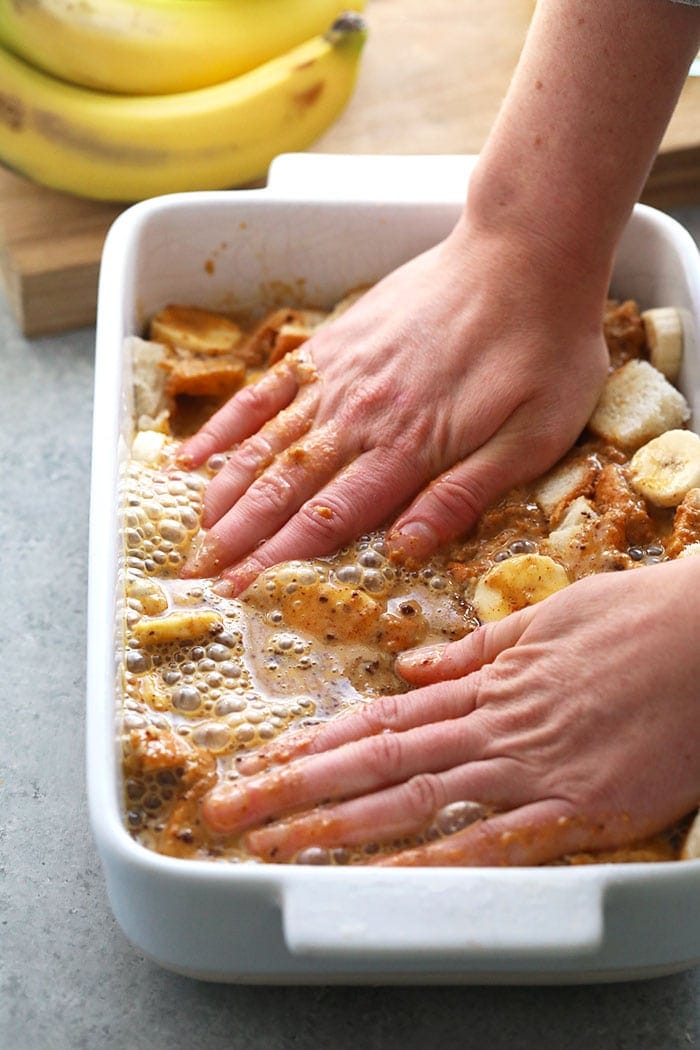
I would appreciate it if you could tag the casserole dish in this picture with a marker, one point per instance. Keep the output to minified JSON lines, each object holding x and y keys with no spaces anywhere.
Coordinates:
{"x":264,"y":923}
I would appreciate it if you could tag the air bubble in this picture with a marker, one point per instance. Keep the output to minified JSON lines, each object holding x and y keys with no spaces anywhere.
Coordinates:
{"x":370,"y":559}
{"x":282,"y":642}
{"x":522,"y":547}
{"x":172,"y":531}
{"x":186,"y":698}
{"x":217,"y":651}
{"x":373,"y":581}
{"x":349,"y":574}
{"x":230,"y":669}
{"x":458,"y":815}
{"x":212,"y":735}
{"x":216,"y":462}
{"x":313,"y":855}
{"x":229,"y":704}
{"x":137,"y":662}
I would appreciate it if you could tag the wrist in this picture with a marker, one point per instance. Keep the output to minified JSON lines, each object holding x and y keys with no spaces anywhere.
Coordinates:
{"x":539,"y":278}
{"x":557,"y":240}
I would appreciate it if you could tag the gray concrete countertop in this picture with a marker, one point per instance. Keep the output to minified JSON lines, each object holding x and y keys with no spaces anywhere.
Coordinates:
{"x":68,"y":978}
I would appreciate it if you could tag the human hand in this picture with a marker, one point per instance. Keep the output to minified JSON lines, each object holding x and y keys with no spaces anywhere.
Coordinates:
{"x":428,"y":389}
{"x":574,"y":722}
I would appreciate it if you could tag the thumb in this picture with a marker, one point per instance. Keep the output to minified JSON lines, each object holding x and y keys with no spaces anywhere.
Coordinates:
{"x":441,"y":663}
{"x":453,"y":502}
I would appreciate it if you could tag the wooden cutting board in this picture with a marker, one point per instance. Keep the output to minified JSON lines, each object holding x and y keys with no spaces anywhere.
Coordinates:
{"x":432,"y":78}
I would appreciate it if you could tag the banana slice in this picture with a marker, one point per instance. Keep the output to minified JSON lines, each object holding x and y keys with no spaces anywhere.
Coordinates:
{"x":667,"y":467}
{"x":664,"y":332}
{"x":516,"y":583}
{"x":178,"y":627}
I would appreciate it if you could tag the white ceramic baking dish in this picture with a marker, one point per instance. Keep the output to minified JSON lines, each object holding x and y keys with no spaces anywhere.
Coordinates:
{"x":298,"y":924}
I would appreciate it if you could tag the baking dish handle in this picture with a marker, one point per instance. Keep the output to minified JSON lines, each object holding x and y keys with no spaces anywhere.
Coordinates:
{"x":482,"y":914}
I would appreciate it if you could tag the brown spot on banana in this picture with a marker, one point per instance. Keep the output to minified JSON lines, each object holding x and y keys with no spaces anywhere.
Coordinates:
{"x":12,"y":112}
{"x":309,"y":97}
{"x":56,"y":129}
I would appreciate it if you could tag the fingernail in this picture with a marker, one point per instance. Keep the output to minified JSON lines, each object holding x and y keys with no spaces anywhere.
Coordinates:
{"x":184,"y":460}
{"x":237,"y":580}
{"x":416,"y":659}
{"x":183,"y":457}
{"x":412,"y":541}
{"x":205,"y":560}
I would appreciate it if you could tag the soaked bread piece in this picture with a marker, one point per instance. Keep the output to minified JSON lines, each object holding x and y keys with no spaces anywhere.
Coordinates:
{"x":637,"y":404}
{"x":196,"y":330}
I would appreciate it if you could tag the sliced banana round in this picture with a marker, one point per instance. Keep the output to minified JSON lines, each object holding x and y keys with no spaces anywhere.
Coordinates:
{"x":517,"y":582}
{"x":667,"y":467}
{"x":664,"y":331}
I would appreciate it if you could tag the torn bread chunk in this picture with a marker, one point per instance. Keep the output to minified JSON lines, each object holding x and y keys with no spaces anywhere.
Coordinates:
{"x":637,"y":404}
{"x":217,"y":377}
{"x":625,"y":335}
{"x":194,"y":329}
{"x":573,"y":476}
{"x":292,"y":334}
{"x":149,"y":379}
{"x":569,"y":542}
{"x":288,"y":327}
{"x":686,"y":526}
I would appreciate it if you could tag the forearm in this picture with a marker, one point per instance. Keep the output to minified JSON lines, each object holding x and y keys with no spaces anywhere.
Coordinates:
{"x":581,"y":123}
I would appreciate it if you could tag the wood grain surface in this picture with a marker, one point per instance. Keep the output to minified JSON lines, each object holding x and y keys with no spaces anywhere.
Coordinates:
{"x":431,"y":81}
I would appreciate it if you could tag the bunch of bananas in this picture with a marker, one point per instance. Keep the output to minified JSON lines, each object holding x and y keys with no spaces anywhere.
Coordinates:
{"x":125,"y":99}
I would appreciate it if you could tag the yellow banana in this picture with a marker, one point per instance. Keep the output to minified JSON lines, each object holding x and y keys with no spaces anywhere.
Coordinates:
{"x":153,"y":47}
{"x":123,"y":148}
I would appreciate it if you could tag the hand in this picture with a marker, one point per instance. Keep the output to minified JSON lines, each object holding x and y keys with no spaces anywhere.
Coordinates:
{"x":440,"y":376}
{"x":574,"y":722}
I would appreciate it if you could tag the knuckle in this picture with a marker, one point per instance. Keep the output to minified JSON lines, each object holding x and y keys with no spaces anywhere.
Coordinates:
{"x":253,"y":453}
{"x":272,"y":492}
{"x":459,"y":499}
{"x":424,"y":796}
{"x":257,"y":399}
{"x":382,"y":714}
{"x":386,"y":755}
{"x":367,"y":400}
{"x":323,"y":518}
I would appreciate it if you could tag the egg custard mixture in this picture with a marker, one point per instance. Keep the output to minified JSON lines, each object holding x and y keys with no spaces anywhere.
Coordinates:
{"x":205,"y":678}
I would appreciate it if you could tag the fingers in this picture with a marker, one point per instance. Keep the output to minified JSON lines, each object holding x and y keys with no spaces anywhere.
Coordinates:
{"x":357,"y":768}
{"x":358,"y":499}
{"x":440,"y":663}
{"x":388,"y":714}
{"x":254,"y":455}
{"x":244,"y":414}
{"x":529,"y":835}
{"x":294,"y":475}
{"x":424,"y":804}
